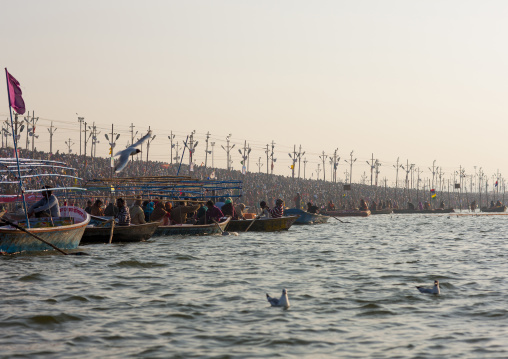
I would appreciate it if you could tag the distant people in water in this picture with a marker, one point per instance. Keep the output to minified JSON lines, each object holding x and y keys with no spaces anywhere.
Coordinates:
{"x":410,"y":206}
{"x":363,"y":205}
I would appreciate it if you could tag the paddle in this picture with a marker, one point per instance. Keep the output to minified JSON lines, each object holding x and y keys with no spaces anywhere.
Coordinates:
{"x":251,"y":223}
{"x":224,"y":233}
{"x":339,"y":219}
{"x":112,"y":229}
{"x":42,"y":240}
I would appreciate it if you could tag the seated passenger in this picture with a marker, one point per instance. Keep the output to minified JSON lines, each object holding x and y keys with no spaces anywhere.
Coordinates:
{"x":265,"y":210}
{"x":363,"y":205}
{"x":278,"y":210}
{"x":158,"y":213}
{"x":179,"y":213}
{"x":137,"y":214}
{"x":228,"y":209}
{"x":213,"y":213}
{"x":311,"y":208}
{"x":96,"y":209}
{"x":239,"y":211}
{"x":46,"y":207}
{"x":123,"y":216}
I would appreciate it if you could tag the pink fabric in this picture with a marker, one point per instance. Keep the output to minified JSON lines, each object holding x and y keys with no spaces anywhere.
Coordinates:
{"x":15,"y":99}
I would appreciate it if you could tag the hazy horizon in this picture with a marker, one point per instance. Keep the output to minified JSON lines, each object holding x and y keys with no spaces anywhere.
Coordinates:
{"x":419,"y":81}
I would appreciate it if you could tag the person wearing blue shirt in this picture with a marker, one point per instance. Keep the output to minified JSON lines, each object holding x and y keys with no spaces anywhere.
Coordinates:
{"x":46,"y":207}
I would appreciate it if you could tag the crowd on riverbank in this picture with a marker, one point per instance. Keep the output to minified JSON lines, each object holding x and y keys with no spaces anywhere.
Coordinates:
{"x":259,"y":187}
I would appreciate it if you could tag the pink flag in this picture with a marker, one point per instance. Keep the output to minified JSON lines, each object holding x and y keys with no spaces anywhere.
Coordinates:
{"x":15,"y":99}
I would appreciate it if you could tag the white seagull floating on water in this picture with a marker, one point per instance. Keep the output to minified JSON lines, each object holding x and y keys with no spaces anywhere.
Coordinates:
{"x":433,"y":290}
{"x":283,"y":301}
{"x":130,"y":151}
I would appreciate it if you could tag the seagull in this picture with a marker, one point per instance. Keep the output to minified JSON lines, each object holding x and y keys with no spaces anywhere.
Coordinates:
{"x":433,"y":290}
{"x":283,"y":301}
{"x":130,"y":151}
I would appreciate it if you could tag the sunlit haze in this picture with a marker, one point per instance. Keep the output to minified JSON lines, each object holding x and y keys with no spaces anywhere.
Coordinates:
{"x":421,"y":81}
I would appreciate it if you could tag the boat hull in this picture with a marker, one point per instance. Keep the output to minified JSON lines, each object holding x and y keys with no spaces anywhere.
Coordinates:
{"x":65,"y":237}
{"x":347,"y":213}
{"x":382,"y":211}
{"x":191,"y":230}
{"x":424,"y":211}
{"x":306,"y":217}
{"x":132,"y":233}
{"x":262,"y":225}
{"x":494,"y":209}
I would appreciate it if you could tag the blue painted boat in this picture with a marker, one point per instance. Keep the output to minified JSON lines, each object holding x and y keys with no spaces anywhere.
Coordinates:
{"x":63,"y":235}
{"x":306,"y":217}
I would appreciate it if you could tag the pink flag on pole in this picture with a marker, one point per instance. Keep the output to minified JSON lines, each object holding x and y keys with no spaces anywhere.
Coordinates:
{"x":15,"y":98}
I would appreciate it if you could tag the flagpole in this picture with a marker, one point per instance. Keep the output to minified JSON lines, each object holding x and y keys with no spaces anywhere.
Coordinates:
{"x":16,"y":150}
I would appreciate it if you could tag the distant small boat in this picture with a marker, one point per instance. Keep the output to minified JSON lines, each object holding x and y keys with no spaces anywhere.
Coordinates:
{"x":99,"y":232}
{"x":347,"y":213}
{"x":382,"y":211}
{"x":424,"y":211}
{"x":262,"y":224}
{"x":306,"y":217}
{"x":494,"y":209}
{"x":192,"y":229}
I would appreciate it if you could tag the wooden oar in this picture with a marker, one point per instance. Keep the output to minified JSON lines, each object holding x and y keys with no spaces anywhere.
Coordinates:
{"x":224,"y":233}
{"x":251,"y":223}
{"x":40,"y":239}
{"x":112,"y":229}
{"x":339,"y":219}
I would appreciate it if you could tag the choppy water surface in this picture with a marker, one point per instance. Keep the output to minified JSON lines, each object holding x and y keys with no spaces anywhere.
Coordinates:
{"x":351,"y":287}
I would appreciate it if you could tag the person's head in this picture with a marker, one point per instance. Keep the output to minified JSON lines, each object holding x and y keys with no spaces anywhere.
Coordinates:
{"x":47,"y":192}
{"x":98,"y":203}
{"x":168,"y":206}
{"x":241,"y":206}
{"x":120,"y":202}
{"x":137,"y":202}
{"x":279,"y":202}
{"x":262,"y":204}
{"x":159,"y":205}
{"x":88,"y":203}
{"x":210,"y":204}
{"x":228,"y":200}
{"x":309,"y":204}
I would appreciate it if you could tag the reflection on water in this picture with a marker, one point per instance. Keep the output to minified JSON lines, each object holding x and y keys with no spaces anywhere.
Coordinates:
{"x":351,"y":287}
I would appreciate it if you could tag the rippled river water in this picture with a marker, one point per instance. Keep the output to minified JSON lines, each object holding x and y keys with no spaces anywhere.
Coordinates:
{"x":351,"y":287}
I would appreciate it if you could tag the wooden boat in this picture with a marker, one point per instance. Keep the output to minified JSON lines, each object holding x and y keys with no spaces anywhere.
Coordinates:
{"x":306,"y":217}
{"x":382,"y":211}
{"x":100,"y":231}
{"x":494,"y":209}
{"x":262,"y":224}
{"x":64,"y":232}
{"x":347,"y":213}
{"x":192,"y":229}
{"x":424,"y":211}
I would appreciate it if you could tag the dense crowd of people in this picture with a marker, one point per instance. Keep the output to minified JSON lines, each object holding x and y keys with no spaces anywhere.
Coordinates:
{"x":256,"y":187}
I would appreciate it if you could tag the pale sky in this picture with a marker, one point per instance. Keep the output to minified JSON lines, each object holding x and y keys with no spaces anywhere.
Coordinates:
{"x":418,"y":80}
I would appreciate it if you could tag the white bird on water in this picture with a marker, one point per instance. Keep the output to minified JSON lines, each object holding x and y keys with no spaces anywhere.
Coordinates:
{"x":130,"y":151}
{"x":283,"y":301}
{"x":433,"y":290}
